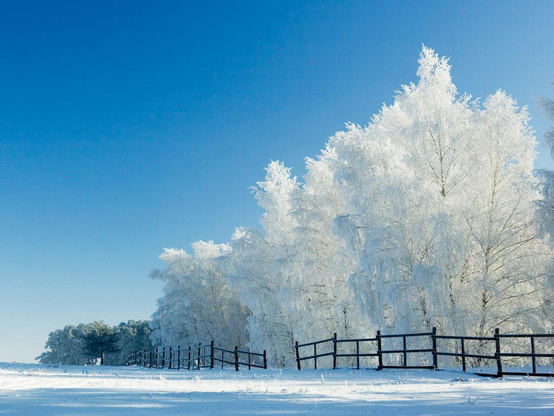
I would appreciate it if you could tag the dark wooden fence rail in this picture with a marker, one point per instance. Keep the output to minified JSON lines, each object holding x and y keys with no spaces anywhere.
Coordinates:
{"x":315,"y":355}
{"x":531,"y":354}
{"x":462,"y":354}
{"x":432,"y":352}
{"x":357,"y":342}
{"x":405,"y":350}
{"x":197,"y":357}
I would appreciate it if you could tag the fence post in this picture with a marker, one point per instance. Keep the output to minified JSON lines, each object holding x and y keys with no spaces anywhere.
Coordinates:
{"x":315,"y":356}
{"x":434,"y":341}
{"x":236,"y":358}
{"x":150,"y":361}
{"x":190,"y":358}
{"x":212,"y":354}
{"x":199,"y":354}
{"x":463,"y":355}
{"x":178,"y":357}
{"x":297,"y":355}
{"x":379,"y":350}
{"x":533,"y":355}
{"x":265,"y":360}
{"x":498,"y":357}
{"x":170,"y":365}
{"x":163,"y":357}
{"x":249,"y":362}
{"x":334,"y":350}
{"x":404,"y":355}
{"x":156,"y":358}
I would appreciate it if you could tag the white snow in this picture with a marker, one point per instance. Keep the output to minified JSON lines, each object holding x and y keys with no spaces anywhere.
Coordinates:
{"x":27,"y":389}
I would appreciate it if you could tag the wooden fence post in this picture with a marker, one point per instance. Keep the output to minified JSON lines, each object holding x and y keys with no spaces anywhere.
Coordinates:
{"x":357,"y":355}
{"x":434,"y":342}
{"x":178,"y":357}
{"x":163,"y":357}
{"x":236,"y":358}
{"x":297,"y":355}
{"x":151,"y":361}
{"x":404,"y":354}
{"x":463,"y":354}
{"x":533,"y":360}
{"x":170,"y":365}
{"x":199,"y":354}
{"x":212,"y":354}
{"x":379,"y":350}
{"x":498,"y":357}
{"x":265,"y":360}
{"x":315,"y":356}
{"x":190,"y":358}
{"x":334,"y":350}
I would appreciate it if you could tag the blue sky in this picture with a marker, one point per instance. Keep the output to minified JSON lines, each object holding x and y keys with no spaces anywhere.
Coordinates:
{"x":129,"y":126}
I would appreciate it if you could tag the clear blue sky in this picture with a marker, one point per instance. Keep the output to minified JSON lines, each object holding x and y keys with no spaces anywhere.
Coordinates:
{"x":130,"y":126}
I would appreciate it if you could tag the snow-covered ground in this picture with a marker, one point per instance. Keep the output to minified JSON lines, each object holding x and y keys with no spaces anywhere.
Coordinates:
{"x":27,"y":389}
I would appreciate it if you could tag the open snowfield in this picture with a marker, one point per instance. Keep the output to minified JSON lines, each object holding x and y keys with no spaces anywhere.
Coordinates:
{"x":27,"y":389}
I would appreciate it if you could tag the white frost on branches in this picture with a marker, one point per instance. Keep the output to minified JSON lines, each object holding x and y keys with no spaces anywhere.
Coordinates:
{"x":424,"y":217}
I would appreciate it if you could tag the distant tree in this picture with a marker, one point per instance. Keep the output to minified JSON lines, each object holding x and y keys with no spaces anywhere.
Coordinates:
{"x":84,"y":344}
{"x":66,"y":346}
{"x":99,"y":340}
{"x":131,"y":336}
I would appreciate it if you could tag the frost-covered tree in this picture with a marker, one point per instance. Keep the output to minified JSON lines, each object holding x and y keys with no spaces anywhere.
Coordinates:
{"x":545,"y":214}
{"x":257,"y":266}
{"x":424,"y":217}
{"x":440,"y":221}
{"x":545,"y":205}
{"x":197,"y":305}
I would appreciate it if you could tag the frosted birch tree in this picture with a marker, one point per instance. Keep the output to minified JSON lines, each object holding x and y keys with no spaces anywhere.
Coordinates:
{"x":197,"y":305}
{"x":424,"y":217}
{"x":258,"y":267}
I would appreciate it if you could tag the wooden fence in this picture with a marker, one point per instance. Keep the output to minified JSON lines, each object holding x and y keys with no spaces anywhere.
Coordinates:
{"x":197,"y":357}
{"x":427,"y":352}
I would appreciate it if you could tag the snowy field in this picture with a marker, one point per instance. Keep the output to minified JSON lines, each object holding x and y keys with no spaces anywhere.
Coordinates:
{"x":27,"y":389}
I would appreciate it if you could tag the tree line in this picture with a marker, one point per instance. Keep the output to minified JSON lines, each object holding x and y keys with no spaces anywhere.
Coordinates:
{"x":428,"y":216}
{"x":96,"y":342}
{"x":431,"y":215}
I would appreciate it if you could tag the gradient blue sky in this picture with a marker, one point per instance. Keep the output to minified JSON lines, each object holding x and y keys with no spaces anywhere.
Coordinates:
{"x":130,"y":126}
